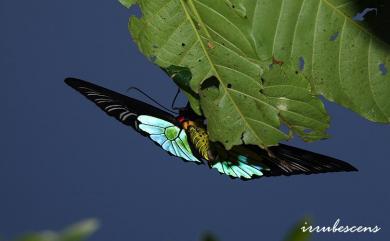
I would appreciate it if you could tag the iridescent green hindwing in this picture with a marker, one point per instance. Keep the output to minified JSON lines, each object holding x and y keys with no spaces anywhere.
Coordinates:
{"x":169,"y":136}
{"x":239,"y":168}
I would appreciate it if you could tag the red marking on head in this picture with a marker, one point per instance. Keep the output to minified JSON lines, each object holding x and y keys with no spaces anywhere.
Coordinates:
{"x":181,"y":119}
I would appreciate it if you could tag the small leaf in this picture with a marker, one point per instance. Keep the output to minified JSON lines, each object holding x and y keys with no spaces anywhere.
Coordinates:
{"x":77,"y":232}
{"x":128,"y":3}
{"x":80,"y":231}
{"x":182,"y":77}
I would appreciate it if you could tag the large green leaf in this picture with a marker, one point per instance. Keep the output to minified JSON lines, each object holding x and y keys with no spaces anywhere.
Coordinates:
{"x":228,"y":45}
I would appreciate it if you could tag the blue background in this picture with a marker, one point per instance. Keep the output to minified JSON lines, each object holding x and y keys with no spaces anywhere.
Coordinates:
{"x":63,"y":160}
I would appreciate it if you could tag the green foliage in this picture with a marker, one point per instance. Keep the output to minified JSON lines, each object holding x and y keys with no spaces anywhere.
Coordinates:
{"x":229,"y":45}
{"x":77,"y":232}
{"x":296,"y":233}
{"x":83,"y":230}
{"x":209,"y":237}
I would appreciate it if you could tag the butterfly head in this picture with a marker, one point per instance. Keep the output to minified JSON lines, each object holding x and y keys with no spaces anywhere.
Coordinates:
{"x":185,"y":121}
{"x":188,"y":117}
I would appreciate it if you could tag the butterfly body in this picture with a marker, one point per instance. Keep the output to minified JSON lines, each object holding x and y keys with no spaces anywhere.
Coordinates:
{"x":199,"y":138}
{"x":186,"y":136}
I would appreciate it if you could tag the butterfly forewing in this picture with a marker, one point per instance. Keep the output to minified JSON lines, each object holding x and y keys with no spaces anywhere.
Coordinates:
{"x":159,"y":125}
{"x":123,"y":108}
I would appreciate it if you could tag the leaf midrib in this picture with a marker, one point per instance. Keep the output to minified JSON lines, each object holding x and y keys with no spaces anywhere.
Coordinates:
{"x":211,"y":62}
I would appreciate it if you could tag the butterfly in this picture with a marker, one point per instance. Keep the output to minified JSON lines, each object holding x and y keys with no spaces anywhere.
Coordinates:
{"x":185,"y":136}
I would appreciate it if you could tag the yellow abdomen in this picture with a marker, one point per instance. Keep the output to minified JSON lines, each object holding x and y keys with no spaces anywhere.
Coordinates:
{"x":199,"y":138}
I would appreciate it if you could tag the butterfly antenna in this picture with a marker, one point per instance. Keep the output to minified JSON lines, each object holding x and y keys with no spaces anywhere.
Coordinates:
{"x":174,"y":100}
{"x":150,"y":98}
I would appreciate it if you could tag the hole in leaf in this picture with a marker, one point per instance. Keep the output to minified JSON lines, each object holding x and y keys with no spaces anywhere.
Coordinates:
{"x":307,"y":131}
{"x":334,"y":36}
{"x":229,"y":86}
{"x":183,"y":44}
{"x":383,"y":69}
{"x":243,"y":137}
{"x":211,"y":82}
{"x":360,"y":16}
{"x":284,"y":128}
{"x":135,"y":10}
{"x":301,"y":63}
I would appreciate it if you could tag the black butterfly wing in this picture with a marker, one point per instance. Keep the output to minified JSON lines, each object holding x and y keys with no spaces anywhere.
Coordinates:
{"x":125,"y":109}
{"x":148,"y":120}
{"x":249,"y":162}
{"x":289,"y":160}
